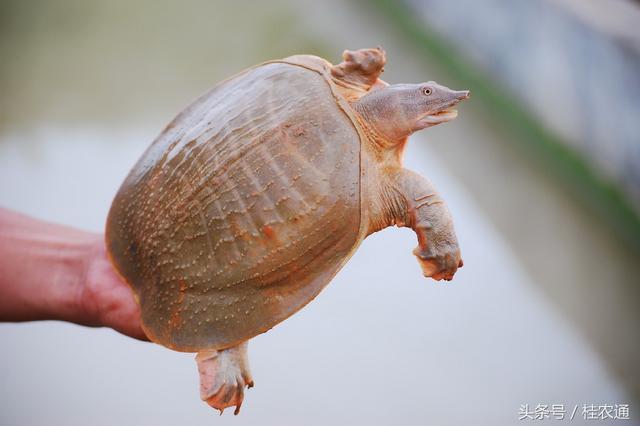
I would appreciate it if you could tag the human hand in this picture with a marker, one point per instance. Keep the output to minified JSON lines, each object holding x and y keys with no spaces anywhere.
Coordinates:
{"x":55,"y":272}
{"x":106,"y":298}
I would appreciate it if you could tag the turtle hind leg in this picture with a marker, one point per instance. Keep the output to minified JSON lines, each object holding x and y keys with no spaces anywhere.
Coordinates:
{"x":223,"y":376}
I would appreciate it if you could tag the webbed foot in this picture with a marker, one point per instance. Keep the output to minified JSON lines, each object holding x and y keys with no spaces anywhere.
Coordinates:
{"x":223,"y":376}
{"x":361,"y":68}
{"x":439,"y":263}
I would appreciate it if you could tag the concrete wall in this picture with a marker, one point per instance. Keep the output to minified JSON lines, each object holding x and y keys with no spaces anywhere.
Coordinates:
{"x":574,"y":63}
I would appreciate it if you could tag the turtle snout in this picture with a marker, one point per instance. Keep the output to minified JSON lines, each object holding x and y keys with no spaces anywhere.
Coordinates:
{"x":461,"y":95}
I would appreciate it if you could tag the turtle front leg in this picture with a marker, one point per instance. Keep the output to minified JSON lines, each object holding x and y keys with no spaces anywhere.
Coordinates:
{"x":411,"y":200}
{"x":223,"y":376}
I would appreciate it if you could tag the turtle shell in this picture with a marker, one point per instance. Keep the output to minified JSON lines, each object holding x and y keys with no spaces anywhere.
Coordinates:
{"x":243,"y":209}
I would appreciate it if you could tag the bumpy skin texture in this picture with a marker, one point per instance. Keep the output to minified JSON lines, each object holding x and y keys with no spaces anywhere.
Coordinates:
{"x":241,"y":211}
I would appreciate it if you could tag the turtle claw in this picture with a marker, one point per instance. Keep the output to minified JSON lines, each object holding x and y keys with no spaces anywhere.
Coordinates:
{"x":439,"y":263}
{"x":223,"y":377}
{"x":228,"y":395}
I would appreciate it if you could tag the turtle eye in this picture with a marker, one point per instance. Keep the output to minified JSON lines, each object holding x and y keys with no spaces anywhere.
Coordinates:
{"x":426,"y":91}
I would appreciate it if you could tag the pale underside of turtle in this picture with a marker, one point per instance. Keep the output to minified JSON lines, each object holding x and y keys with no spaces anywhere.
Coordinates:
{"x":255,"y":196}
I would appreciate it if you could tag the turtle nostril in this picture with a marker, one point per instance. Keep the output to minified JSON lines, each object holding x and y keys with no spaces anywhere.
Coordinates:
{"x":461,"y":95}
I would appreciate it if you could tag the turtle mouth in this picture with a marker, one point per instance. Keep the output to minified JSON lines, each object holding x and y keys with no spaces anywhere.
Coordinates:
{"x":441,"y":116}
{"x":446,"y":114}
{"x":445,"y":111}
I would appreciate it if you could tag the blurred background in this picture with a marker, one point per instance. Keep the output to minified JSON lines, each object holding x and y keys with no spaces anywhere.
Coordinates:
{"x":541,"y":171}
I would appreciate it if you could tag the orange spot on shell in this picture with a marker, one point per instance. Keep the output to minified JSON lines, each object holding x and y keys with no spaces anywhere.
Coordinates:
{"x":268,"y":232}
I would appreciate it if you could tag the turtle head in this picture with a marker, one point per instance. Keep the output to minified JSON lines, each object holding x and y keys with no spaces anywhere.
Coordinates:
{"x":398,"y":110}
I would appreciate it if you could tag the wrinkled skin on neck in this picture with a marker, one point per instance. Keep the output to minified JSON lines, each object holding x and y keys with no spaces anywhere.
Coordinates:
{"x":395,"y":112}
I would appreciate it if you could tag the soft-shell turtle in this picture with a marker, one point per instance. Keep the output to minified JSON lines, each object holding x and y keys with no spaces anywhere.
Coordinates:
{"x":255,"y":196}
